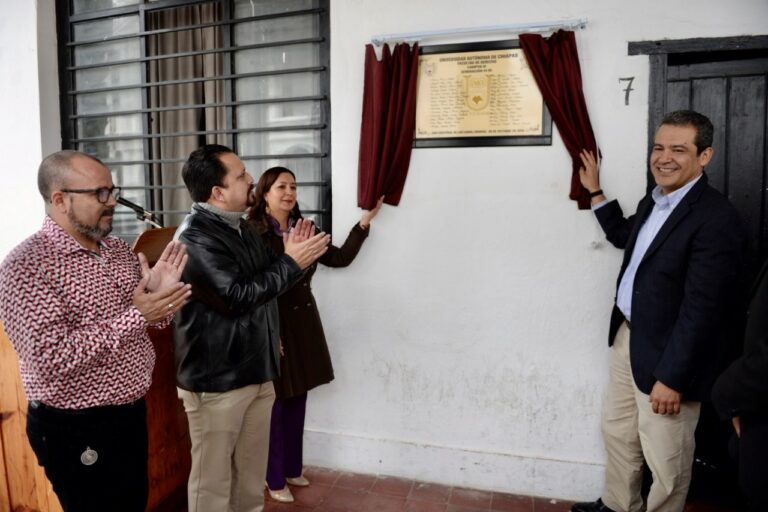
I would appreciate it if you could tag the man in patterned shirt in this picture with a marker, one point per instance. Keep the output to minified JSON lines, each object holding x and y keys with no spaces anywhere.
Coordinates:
{"x":76,"y":304}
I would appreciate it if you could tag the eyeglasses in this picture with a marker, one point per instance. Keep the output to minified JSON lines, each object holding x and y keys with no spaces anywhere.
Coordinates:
{"x":102,"y":193}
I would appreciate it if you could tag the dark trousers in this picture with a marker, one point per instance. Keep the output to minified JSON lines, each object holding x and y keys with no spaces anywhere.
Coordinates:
{"x":752,"y":458}
{"x":286,"y":440}
{"x":95,"y":458}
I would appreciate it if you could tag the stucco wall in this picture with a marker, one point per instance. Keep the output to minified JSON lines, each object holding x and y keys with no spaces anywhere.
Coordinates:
{"x":469,"y":337}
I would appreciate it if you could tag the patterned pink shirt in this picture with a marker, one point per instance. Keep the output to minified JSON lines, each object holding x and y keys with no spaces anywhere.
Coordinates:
{"x":69,"y":314}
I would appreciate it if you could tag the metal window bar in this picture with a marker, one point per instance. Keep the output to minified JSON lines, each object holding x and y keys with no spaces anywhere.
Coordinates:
{"x":142,"y":7}
{"x":229,"y":40}
{"x":145,"y":121}
{"x":325,"y":163}
{"x":235,"y":21}
{"x":137,"y":136}
{"x":144,"y":84}
{"x":231,"y":64}
{"x":200,"y":106}
{"x":178,"y":187}
{"x":282,"y":156}
{"x":70,"y":127}
{"x":258,"y":46}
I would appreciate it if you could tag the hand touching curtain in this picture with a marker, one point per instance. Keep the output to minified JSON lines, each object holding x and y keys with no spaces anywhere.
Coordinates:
{"x":555,"y":66}
{"x":388,"y":120}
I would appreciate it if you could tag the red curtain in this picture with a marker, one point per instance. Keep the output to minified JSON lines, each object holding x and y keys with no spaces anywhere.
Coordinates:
{"x":555,"y":66}
{"x":386,"y":130}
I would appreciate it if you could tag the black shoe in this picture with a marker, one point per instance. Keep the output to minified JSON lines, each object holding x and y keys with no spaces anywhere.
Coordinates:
{"x":591,"y":506}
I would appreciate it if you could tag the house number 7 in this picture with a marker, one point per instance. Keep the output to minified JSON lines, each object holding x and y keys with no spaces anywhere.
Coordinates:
{"x":629,"y":88}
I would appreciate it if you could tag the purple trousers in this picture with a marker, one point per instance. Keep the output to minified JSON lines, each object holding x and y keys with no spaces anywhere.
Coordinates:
{"x":286,"y":440}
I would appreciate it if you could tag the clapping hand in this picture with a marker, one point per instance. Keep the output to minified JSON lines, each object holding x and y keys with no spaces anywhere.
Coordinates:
{"x":157,"y":306}
{"x":301,"y":231}
{"x":167,"y":271}
{"x":303,"y":245}
{"x":160,"y":292}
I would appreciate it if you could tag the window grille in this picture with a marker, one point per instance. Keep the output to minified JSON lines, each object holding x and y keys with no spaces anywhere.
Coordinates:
{"x":144,"y":82}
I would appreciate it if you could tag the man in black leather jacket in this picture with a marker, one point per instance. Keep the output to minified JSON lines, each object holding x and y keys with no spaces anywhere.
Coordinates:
{"x":227,"y":335}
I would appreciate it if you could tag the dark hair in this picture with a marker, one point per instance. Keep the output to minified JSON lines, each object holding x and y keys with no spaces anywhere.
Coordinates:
{"x":203,"y":170}
{"x":54,"y":169}
{"x":699,"y":122}
{"x":258,"y":214}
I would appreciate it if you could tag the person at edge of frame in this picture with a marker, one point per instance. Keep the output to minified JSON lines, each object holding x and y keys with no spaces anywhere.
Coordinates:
{"x":76,"y":304}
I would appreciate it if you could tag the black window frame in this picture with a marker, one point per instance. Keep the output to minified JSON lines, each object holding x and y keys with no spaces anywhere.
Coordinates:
{"x":66,"y":20}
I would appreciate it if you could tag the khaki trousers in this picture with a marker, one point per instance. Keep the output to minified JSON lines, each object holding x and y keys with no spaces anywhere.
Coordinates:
{"x":230,"y":442}
{"x":633,"y":432}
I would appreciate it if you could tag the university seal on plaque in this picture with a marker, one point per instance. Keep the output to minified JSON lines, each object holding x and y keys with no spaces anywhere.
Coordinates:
{"x":478,"y":91}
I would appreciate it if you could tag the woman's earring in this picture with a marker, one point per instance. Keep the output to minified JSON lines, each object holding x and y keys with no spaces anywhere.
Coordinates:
{"x":267,"y":210}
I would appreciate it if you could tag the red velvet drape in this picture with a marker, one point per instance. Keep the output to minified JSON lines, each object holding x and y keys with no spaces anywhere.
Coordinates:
{"x":555,"y":66}
{"x":386,"y":130}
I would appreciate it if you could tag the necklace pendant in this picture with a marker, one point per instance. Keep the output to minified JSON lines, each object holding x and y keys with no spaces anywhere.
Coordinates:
{"x":89,"y":457}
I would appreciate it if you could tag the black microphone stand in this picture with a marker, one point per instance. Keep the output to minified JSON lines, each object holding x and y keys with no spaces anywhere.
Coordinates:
{"x":141,"y":213}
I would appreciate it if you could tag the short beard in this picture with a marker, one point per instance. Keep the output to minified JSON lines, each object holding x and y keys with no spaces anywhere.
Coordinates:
{"x":93,"y":233}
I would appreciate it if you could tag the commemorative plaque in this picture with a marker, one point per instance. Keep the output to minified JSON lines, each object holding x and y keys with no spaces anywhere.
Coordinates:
{"x":478,"y":94}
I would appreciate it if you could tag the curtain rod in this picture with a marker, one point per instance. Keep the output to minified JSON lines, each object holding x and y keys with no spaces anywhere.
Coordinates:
{"x":520,"y":28}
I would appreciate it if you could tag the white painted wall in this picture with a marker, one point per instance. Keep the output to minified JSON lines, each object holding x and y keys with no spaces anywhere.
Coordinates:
{"x":29,"y":124}
{"x":469,"y":337}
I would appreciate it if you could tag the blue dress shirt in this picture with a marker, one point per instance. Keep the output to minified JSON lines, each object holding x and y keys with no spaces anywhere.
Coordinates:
{"x":663,"y":207}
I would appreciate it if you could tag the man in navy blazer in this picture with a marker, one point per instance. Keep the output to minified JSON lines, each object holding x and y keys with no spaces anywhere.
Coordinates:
{"x":682,"y":263}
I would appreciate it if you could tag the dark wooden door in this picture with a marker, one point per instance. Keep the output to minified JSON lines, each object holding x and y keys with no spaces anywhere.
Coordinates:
{"x":727,"y":80}
{"x":731,"y":88}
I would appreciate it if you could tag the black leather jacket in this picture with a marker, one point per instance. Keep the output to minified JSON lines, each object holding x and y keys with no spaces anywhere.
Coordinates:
{"x":227,"y":335}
